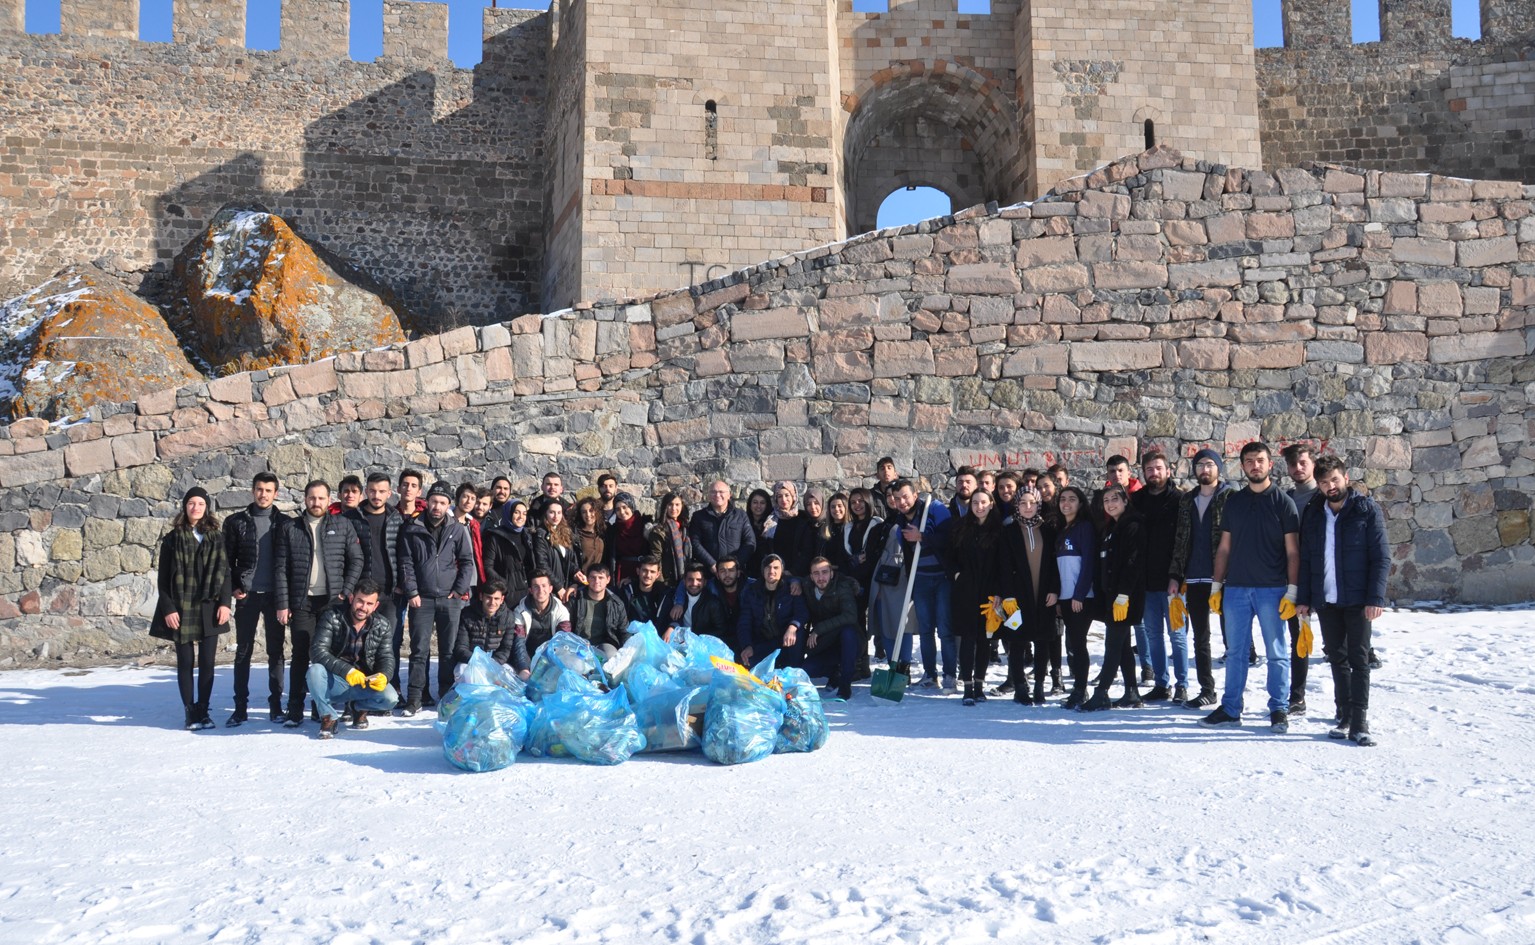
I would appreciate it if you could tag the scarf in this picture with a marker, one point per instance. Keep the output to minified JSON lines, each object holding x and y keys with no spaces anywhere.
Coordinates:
{"x":681,"y":546}
{"x":201,"y":568}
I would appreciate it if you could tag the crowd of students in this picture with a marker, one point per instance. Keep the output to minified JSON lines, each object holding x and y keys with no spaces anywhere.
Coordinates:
{"x":1021,"y":562}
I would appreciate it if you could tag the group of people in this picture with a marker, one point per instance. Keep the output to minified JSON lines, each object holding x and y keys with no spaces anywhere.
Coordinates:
{"x":1021,"y":561}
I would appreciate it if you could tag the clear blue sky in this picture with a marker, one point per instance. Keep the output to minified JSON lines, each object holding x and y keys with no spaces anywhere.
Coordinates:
{"x":262,"y":21}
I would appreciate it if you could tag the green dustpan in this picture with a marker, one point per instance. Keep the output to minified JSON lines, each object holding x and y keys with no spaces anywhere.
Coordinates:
{"x":891,"y":683}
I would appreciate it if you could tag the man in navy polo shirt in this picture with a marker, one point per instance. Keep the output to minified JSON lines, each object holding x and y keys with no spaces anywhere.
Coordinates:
{"x":1257,"y":567}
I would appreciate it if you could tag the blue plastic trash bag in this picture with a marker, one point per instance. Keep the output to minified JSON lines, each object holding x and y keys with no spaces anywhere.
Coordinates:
{"x":447,"y":705}
{"x":697,"y":649}
{"x":672,"y":719}
{"x":485,"y":729}
{"x":804,"y":723}
{"x":641,"y":682}
{"x":483,"y":670}
{"x":576,"y":722}
{"x":743,"y":717}
{"x":644,"y":647}
{"x":561,"y":652}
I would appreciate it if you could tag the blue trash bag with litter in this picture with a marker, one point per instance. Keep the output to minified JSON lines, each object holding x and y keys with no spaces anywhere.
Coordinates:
{"x":580,"y":721}
{"x":483,"y":670}
{"x":698,"y":651}
{"x":743,"y":718}
{"x":564,"y":651}
{"x":644,"y":647}
{"x":673,"y":719}
{"x":804,"y":723}
{"x":485,"y":729}
{"x":643,"y":681}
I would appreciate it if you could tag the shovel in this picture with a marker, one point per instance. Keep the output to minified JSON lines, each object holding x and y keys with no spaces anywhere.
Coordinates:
{"x":891,"y":683}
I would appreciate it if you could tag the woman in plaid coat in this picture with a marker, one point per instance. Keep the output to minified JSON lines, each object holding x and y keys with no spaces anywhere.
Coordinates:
{"x":196,"y":590}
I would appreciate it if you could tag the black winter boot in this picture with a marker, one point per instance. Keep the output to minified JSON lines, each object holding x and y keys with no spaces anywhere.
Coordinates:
{"x":192,"y":718}
{"x":1039,"y":691}
{"x":1359,"y":729}
{"x":1099,"y":702}
{"x":970,"y":690}
{"x":238,"y":718}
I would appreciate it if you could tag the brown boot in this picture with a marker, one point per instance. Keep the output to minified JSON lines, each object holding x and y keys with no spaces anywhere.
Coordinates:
{"x":328,"y":726}
{"x":359,"y":718}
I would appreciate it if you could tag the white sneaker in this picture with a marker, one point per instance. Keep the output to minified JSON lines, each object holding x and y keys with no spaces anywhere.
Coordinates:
{"x":927,"y":682}
{"x":950,"y":685}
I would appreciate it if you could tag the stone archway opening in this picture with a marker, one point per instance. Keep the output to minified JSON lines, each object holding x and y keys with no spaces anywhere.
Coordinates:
{"x":942,"y":126}
{"x":913,"y":203}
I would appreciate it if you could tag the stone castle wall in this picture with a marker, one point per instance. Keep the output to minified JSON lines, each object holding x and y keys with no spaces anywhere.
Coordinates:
{"x":1417,"y":100}
{"x":428,"y":177}
{"x":1384,"y":316}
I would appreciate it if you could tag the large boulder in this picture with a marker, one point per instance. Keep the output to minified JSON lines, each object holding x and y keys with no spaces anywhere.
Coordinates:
{"x":253,"y":295}
{"x":82,"y":338}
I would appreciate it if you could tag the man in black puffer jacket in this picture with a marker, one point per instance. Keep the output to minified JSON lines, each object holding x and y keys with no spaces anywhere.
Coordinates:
{"x":352,"y":659}
{"x":488,"y":624}
{"x":720,"y":529}
{"x":318,"y":560}
{"x":832,"y":647}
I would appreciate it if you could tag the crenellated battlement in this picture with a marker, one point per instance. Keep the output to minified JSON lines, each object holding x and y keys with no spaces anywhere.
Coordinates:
{"x":99,"y":19}
{"x":1408,"y":28}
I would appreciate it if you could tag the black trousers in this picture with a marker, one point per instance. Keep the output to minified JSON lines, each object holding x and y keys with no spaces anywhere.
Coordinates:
{"x":1198,"y":600}
{"x":974,"y":656}
{"x":1077,"y":658}
{"x":301,"y":623}
{"x":1346,"y":641}
{"x":200,"y":652}
{"x":258,"y":608}
{"x":436,"y":616}
{"x":1298,"y":666}
{"x":1119,"y":655}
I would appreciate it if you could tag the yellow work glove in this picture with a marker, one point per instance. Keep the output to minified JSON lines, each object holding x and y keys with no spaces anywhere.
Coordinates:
{"x":1014,"y":619}
{"x":1121,"y":607}
{"x":1215,"y":597}
{"x":378,"y":682}
{"x":1305,"y":641}
{"x":1177,"y":612}
{"x":992,"y":611}
{"x":1287,"y":602}
{"x":354,"y":677}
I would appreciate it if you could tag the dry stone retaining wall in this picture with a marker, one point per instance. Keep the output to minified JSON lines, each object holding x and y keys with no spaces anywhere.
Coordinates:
{"x":1161,"y":300}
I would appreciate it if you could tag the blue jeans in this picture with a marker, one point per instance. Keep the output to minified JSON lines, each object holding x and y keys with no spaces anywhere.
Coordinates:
{"x":1142,"y":649}
{"x":930,"y":598}
{"x":327,"y":689}
{"x":1153,"y":624}
{"x":1240,"y":605}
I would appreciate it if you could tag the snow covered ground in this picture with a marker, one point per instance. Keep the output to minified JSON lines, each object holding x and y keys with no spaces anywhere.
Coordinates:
{"x":919,"y":822}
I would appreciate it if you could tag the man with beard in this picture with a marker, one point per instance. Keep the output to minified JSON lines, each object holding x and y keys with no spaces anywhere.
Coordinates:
{"x":607,"y":493}
{"x":500,"y":494}
{"x":351,"y":660}
{"x":538,"y":617}
{"x":1158,"y":503}
{"x":831,"y":649}
{"x":712,"y":608}
{"x":1344,"y":563}
{"x":378,"y":526}
{"x":966,"y":481}
{"x":1257,"y":567}
{"x":551,"y":490}
{"x":1193,"y":562}
{"x":436,"y":574}
{"x":318,"y":561}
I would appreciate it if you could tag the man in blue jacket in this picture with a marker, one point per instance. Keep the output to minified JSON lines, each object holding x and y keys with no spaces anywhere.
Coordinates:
{"x":436,"y":564}
{"x":771,"y":618}
{"x":1343,"y":567}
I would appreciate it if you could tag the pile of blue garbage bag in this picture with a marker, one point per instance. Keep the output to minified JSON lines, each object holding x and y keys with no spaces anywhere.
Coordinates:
{"x":655,"y":695}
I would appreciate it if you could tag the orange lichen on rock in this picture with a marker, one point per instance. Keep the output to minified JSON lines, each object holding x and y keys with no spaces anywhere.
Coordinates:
{"x":82,"y":338}
{"x":255,"y":295}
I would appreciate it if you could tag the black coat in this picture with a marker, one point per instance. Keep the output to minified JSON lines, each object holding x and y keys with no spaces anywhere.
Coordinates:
{"x":835,"y":611}
{"x":330,"y":637}
{"x":340,"y":555}
{"x":1160,"y":513}
{"x":1121,"y":566}
{"x":654,"y":607}
{"x":1018,"y":582}
{"x":242,"y":547}
{"x":393,"y":523}
{"x":974,"y":561}
{"x":508,"y":558}
{"x":495,"y":635}
{"x":610,"y":624}
{"x":713,"y":617}
{"x":435,"y":567}
{"x":715,"y":535}
{"x":796,"y":541}
{"x":1361,"y":554}
{"x":561,"y":563}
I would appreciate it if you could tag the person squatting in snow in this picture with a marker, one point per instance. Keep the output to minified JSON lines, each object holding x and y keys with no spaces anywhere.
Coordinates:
{"x":1015,"y":561}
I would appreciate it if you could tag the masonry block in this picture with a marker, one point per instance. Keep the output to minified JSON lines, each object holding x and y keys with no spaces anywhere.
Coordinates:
{"x":317,"y":29}
{"x":1414,"y":21}
{"x":13,"y":16}
{"x":209,"y":22}
{"x":415,"y":31}
{"x":100,"y":19}
{"x":1508,"y":21}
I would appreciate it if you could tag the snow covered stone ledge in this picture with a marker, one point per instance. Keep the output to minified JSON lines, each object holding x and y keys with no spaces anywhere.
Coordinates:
{"x":1161,"y":300}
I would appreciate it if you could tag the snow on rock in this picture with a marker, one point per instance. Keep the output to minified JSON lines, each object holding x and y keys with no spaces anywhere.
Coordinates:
{"x":919,"y":822}
{"x":253,"y":295}
{"x":82,"y":338}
